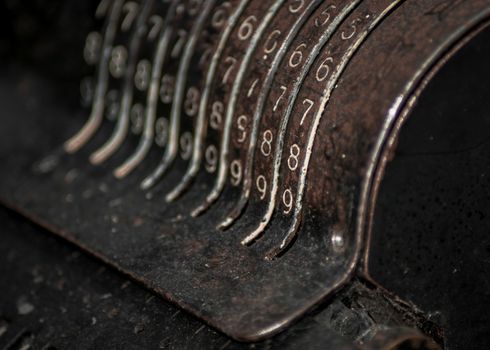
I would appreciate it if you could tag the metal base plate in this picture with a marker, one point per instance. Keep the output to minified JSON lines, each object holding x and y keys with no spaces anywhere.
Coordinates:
{"x":205,"y":271}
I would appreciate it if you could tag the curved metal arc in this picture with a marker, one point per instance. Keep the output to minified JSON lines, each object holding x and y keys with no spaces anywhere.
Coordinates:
{"x":327,"y":93}
{"x":237,"y":210}
{"x":146,"y":140}
{"x":397,"y":115}
{"x":264,"y":222}
{"x":197,"y":152}
{"x":173,"y":142}
{"x":223,"y":166}
{"x":76,"y":142}
{"x":119,"y":135}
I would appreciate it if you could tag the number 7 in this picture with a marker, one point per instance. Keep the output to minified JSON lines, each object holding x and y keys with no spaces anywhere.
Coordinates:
{"x":310,"y":104}
{"x":284,"y":89}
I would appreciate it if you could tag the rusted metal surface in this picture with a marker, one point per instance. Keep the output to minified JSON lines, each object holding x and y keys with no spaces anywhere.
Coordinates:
{"x":238,"y":178}
{"x":83,"y":304}
{"x":429,"y":222}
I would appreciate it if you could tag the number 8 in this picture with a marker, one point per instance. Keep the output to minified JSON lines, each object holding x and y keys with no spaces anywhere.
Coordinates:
{"x":294,"y":152}
{"x":266,"y":146}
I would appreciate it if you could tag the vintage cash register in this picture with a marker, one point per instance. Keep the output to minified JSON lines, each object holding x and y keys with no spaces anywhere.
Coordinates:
{"x":245,"y":174}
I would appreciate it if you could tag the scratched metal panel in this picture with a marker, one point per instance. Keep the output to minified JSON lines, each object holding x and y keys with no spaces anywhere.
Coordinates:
{"x":223,"y":164}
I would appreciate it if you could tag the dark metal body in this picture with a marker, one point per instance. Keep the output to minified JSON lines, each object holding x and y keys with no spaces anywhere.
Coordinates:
{"x":318,"y":255}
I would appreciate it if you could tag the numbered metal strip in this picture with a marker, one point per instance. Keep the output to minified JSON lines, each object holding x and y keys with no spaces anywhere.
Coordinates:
{"x":240,"y":293}
{"x":147,"y":82}
{"x":279,"y":102}
{"x":220,"y":85}
{"x":230,"y":107}
{"x":271,"y":50}
{"x":191,"y":132}
{"x":125,"y":31}
{"x":186,"y":108}
{"x":269,"y":105}
{"x":172,"y":148}
{"x":211,"y":153}
{"x":160,"y":92}
{"x":210,"y":120}
{"x":265,"y":202}
{"x":93,"y":50}
{"x":422,"y":53}
{"x":127,"y":71}
{"x":172,"y":89}
{"x":98,"y":105}
{"x":261,"y":65}
{"x":297,"y":149}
